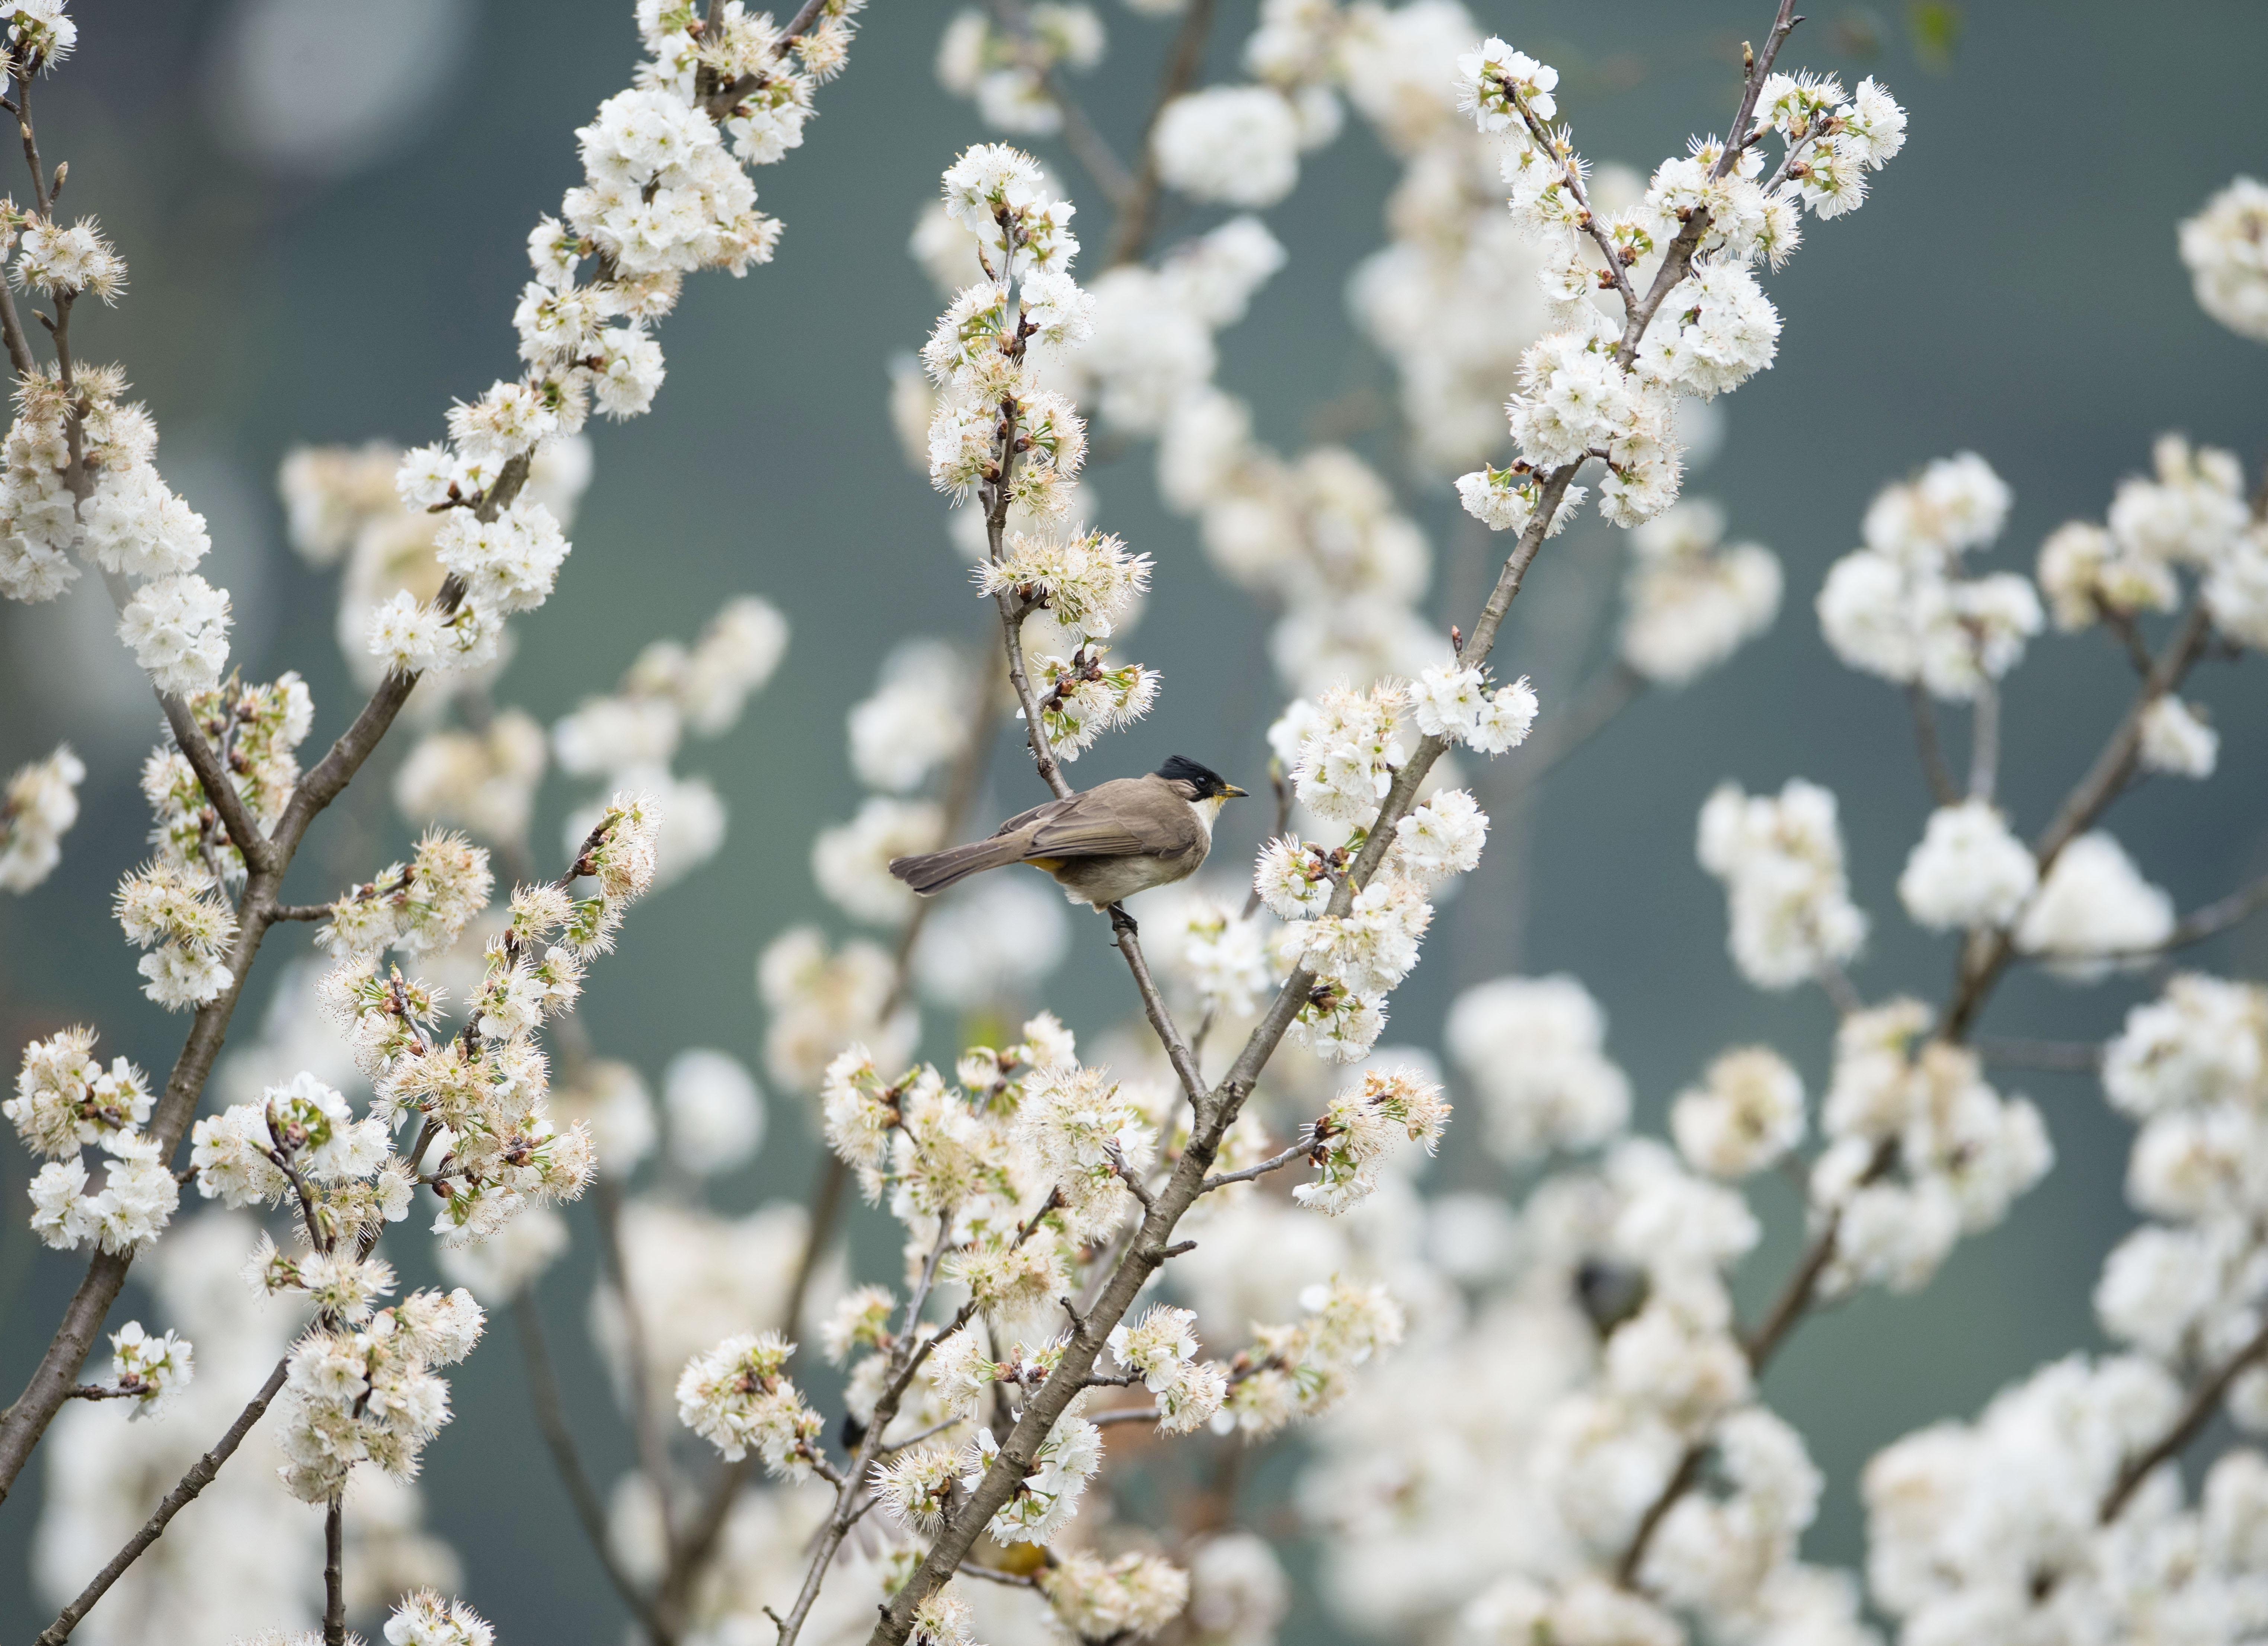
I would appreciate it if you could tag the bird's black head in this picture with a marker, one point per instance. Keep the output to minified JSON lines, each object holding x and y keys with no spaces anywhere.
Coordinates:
{"x":1206,"y":782}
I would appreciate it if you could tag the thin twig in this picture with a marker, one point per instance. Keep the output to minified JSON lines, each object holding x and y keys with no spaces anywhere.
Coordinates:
{"x":1933,"y":769}
{"x":1802,"y":1285}
{"x":1594,"y":707}
{"x":2204,"y":1401}
{"x":1688,"y":1471}
{"x":220,"y":792}
{"x":1301,"y":1147}
{"x":645,"y":1422}
{"x":1087,"y":145}
{"x":1986,"y":956}
{"x":2075,"y":1057}
{"x":994,"y":1575}
{"x":1796,"y":1296}
{"x":1131,"y":233}
{"x":1836,"y":982}
{"x":184,"y":1492}
{"x":1124,"y":1414}
{"x":1985,"y":742}
{"x":559,"y":1439}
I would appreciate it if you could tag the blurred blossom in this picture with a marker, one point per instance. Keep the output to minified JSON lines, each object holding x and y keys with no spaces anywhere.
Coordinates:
{"x":317,"y":90}
{"x":716,"y":1113}
{"x":998,"y":940}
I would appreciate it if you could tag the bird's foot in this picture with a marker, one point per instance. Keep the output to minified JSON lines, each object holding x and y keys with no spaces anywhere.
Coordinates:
{"x":1122,"y":921}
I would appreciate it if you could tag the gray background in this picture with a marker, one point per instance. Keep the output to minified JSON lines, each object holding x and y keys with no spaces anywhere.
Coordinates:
{"x":2013,"y":287}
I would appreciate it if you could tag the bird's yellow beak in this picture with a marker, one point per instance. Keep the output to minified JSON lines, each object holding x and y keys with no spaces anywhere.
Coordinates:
{"x":1230,"y":792}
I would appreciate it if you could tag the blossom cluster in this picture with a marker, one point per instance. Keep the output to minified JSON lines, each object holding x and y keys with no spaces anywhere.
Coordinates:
{"x":1603,"y":387}
{"x":1789,"y":898}
{"x":1898,"y":608}
{"x":66,"y":1102}
{"x":37,"y":808}
{"x":1919,"y":1148}
{"x":2223,"y":246}
{"x":2044,"y":1514}
{"x":177,"y":907}
{"x":665,"y":192}
{"x":1362,"y":1124}
{"x":1005,"y":71}
{"x":368,"y":1393}
{"x":1691,"y":599}
{"x":1343,"y":752}
{"x":152,"y":1372}
{"x":628,"y":739}
{"x":735,"y":1396}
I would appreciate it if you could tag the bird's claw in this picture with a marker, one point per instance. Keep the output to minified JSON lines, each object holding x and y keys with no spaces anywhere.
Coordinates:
{"x":1122,"y":921}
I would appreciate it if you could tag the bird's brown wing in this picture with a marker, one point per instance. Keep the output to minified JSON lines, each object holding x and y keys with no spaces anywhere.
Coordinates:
{"x":1112,"y":820}
{"x":1025,"y":820}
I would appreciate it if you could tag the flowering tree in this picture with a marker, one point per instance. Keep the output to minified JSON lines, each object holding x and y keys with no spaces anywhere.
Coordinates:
{"x":1083,"y":1214}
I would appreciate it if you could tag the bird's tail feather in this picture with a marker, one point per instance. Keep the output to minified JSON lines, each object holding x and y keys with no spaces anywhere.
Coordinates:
{"x":932,"y":872}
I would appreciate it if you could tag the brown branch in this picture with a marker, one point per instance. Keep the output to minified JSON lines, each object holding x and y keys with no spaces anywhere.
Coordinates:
{"x":213,"y":779}
{"x":1679,"y":258}
{"x":335,"y":1572}
{"x":1154,"y":1007}
{"x":1986,"y":955}
{"x":1594,"y":707}
{"x":1985,"y":742}
{"x":1086,"y":144}
{"x":559,"y":1439}
{"x":1939,"y":775}
{"x":2217,"y":917}
{"x":2204,"y":1401}
{"x":1303,"y":1147}
{"x":1131,"y":235}
{"x":2071,"y":1057}
{"x":1689,"y":1470}
{"x":645,"y":1426}
{"x":19,"y":347}
{"x":906,"y":1358}
{"x":1796,"y":1297}
{"x":26,"y":72}
{"x":825,"y":1199}
{"x":1802,"y":1285}
{"x":199,"y":1476}
{"x":1572,"y":172}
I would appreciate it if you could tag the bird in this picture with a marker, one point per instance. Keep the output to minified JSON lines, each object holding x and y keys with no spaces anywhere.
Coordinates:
{"x":1101,"y":845}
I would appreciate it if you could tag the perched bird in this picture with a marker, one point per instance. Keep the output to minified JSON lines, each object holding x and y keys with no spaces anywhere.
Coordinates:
{"x":1115,"y":839}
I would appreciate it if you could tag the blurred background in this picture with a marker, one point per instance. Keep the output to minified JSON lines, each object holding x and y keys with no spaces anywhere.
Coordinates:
{"x":324,"y":208}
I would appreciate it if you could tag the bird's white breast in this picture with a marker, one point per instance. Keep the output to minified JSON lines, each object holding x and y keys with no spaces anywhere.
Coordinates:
{"x":1207,"y":809}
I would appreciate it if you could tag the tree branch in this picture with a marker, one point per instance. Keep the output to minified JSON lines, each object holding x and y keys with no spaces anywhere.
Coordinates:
{"x":1299,"y":1150}
{"x":559,"y":1439}
{"x":2204,"y":1401}
{"x":1594,"y":707}
{"x":1131,"y":235}
{"x":190,"y":738}
{"x":1942,"y":788}
{"x":334,"y":1576}
{"x":2074,"y":1057}
{"x":1985,"y":743}
{"x":1984,"y":959}
{"x":199,"y":1476}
